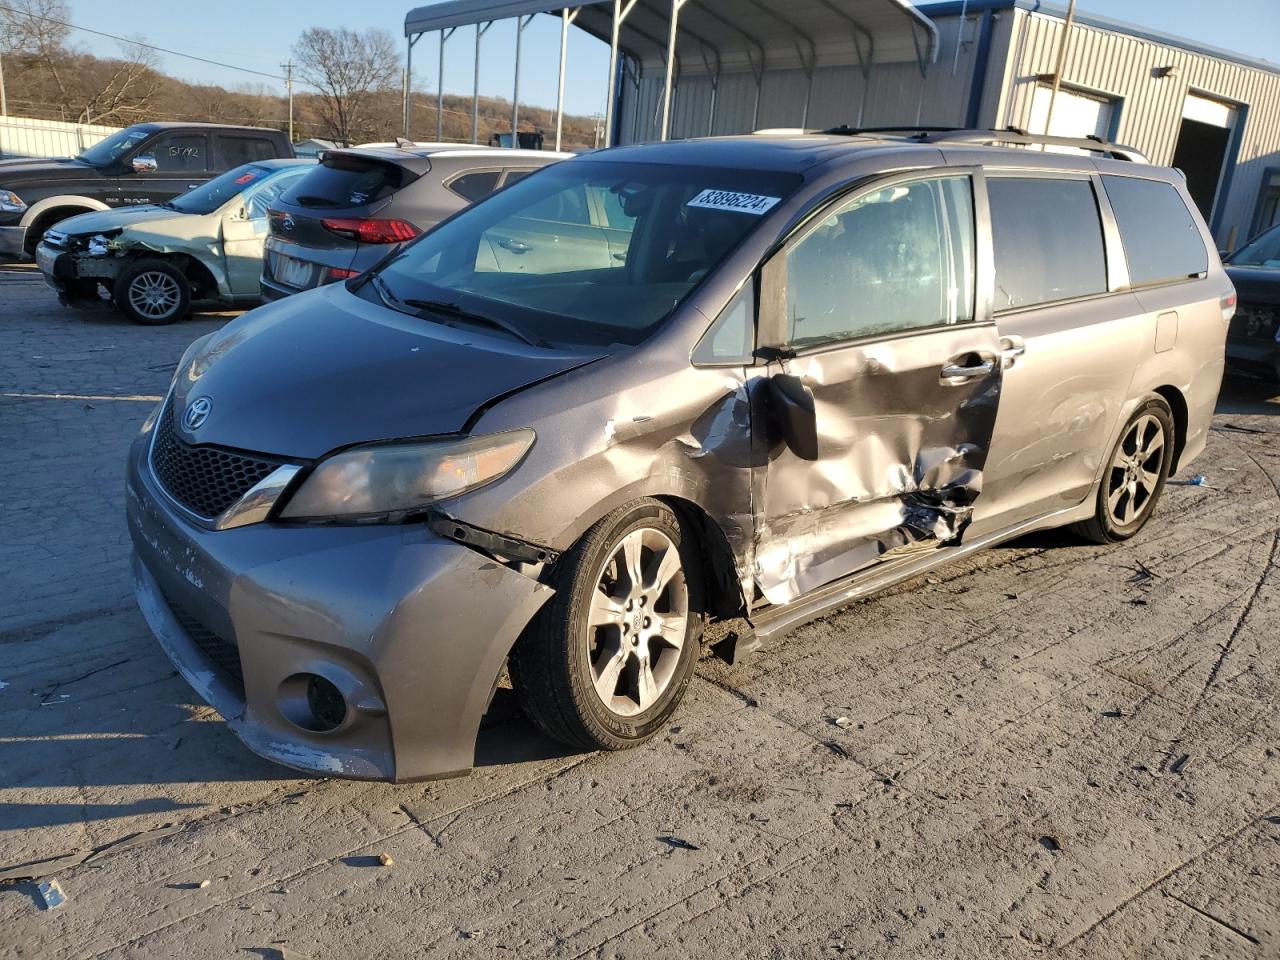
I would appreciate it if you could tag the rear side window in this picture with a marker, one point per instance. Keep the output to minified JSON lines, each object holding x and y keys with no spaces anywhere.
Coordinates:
{"x":1048,"y":242}
{"x":343,"y":180}
{"x":1161,"y":240}
{"x":474,"y":186}
{"x":234,"y":151}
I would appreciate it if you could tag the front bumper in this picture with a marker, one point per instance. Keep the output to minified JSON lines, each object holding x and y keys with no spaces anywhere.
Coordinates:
{"x":412,"y":629}
{"x":1257,"y":357}
{"x":12,"y":240}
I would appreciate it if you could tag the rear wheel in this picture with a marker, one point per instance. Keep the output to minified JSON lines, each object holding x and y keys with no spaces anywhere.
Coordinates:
{"x":1135,"y":475}
{"x":607,"y":661}
{"x":152,"y":292}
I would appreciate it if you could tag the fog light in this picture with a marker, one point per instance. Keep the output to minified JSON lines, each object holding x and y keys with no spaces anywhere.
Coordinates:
{"x":312,"y":702}
{"x":328,"y":706}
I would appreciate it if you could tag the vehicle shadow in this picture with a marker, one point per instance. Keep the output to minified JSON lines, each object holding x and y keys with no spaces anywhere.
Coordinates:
{"x":1248,"y":396}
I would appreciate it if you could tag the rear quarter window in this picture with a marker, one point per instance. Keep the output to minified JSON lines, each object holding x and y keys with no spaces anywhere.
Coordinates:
{"x":475,"y":185}
{"x":342,"y":181}
{"x":1162,"y":241}
{"x":1047,"y":236}
{"x":233,"y":151}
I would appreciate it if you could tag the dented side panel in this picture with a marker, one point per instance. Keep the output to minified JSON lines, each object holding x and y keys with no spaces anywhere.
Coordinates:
{"x":901,"y":452}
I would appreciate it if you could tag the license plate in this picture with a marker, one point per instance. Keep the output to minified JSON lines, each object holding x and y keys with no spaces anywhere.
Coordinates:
{"x":294,"y":273}
{"x":45,"y":259}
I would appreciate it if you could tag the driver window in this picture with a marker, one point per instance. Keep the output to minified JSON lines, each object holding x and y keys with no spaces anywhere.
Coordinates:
{"x":180,"y":153}
{"x":900,"y":258}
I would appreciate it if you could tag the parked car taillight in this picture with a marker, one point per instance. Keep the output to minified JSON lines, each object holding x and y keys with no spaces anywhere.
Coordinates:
{"x":334,"y":274}
{"x":372,"y":231}
{"x":1228,"y":304}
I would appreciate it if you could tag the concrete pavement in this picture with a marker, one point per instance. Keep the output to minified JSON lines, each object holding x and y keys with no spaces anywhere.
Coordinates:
{"x":1051,"y":747}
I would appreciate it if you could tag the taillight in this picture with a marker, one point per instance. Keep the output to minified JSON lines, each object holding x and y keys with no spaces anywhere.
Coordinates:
{"x":372,"y":231}
{"x":1228,"y":304}
{"x":334,"y":274}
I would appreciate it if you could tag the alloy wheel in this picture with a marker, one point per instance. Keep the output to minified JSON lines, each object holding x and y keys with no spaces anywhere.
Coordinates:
{"x":1134,"y":477}
{"x":154,"y":294}
{"x":637,"y":622}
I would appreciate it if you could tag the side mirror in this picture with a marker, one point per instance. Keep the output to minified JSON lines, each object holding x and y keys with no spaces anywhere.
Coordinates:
{"x":792,"y":410}
{"x":145,"y":163}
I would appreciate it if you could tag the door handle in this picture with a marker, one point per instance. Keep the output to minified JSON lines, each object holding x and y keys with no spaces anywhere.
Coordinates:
{"x":515,"y":246}
{"x":1011,"y":348}
{"x":964,"y":368}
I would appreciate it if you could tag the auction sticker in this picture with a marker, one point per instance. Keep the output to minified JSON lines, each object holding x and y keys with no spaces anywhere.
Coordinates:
{"x":728,"y":200}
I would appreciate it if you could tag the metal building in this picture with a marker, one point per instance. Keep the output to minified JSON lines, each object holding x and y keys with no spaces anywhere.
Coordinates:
{"x":687,"y":68}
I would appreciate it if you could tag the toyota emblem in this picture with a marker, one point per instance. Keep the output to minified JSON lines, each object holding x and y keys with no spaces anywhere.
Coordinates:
{"x":197,"y":413}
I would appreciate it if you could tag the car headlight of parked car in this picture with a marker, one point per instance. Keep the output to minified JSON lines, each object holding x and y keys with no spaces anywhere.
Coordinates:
{"x":381,"y":481}
{"x":10,"y":202}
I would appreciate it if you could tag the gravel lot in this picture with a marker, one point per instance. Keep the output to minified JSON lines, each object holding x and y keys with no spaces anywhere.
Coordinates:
{"x":1050,"y":748}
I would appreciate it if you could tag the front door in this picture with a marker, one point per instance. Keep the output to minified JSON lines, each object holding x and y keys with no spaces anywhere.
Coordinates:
{"x":244,"y":230}
{"x":877,"y":327}
{"x":182,"y":164}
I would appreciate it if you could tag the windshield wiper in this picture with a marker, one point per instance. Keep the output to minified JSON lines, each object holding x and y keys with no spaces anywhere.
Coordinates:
{"x":466,"y":316}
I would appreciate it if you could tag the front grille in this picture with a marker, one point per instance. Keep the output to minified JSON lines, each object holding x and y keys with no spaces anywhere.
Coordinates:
{"x":222,"y":651}
{"x":205,"y":480}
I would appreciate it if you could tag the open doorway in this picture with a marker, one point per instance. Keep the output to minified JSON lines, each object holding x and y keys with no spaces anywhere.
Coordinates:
{"x":1202,"y":151}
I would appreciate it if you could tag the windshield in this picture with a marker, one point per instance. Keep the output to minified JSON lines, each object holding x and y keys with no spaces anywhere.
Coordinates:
{"x":1264,"y":251}
{"x":585,"y":251}
{"x":114,"y":147}
{"x":208,"y":197}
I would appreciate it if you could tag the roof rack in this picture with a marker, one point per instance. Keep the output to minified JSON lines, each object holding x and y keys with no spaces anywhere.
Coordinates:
{"x":1010,"y":136}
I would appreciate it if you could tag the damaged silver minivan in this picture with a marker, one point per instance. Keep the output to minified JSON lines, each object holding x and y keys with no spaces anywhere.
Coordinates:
{"x":794,"y":370}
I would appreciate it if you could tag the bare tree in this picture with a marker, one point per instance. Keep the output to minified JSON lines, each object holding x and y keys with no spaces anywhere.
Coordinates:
{"x":83,"y":88}
{"x":349,"y":69}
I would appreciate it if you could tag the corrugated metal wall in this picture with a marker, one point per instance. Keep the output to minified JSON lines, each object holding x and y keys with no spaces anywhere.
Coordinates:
{"x":896,"y":93}
{"x":1121,"y":66}
{"x":1023,"y":46}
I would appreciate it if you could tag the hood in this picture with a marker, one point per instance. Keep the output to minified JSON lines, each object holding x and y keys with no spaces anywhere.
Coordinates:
{"x":327,"y":369}
{"x":1256,"y":284}
{"x":100,"y":221}
{"x":17,"y":172}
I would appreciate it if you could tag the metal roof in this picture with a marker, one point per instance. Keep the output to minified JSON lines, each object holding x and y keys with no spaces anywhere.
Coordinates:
{"x":733,"y":34}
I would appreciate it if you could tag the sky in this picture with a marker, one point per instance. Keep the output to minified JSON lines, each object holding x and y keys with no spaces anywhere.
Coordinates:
{"x":258,"y":34}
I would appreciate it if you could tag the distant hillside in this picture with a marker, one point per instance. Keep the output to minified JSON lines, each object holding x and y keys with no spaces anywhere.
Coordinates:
{"x":138,"y":93}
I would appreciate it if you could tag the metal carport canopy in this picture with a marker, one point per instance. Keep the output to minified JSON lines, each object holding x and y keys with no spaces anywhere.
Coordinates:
{"x":685,"y":37}
{"x":742,"y":34}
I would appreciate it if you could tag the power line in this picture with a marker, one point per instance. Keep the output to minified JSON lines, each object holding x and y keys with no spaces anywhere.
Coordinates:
{"x":137,"y":43}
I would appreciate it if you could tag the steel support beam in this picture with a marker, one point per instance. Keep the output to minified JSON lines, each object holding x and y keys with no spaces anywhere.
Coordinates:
{"x":408,"y":84}
{"x":444,"y":35}
{"x":566,"y":18}
{"x":672,"y":36}
{"x":521,"y":23}
{"x":475,"y":86}
{"x":619,"y":14}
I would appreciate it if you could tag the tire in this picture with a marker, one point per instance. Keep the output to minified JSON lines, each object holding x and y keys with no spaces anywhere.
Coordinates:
{"x":152,"y":292}
{"x":613,"y":684}
{"x":1135,"y":476}
{"x":36,"y":232}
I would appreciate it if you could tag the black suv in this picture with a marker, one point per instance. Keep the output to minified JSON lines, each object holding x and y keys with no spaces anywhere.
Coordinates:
{"x":145,"y":163}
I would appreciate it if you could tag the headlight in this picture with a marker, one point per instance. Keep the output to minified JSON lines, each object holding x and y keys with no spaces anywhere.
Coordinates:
{"x":395,"y":478}
{"x":10,"y":202}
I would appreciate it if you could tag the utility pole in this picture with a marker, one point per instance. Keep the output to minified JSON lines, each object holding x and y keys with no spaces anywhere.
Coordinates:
{"x":4,"y":98}
{"x":288,"y":82}
{"x":1062,"y":63}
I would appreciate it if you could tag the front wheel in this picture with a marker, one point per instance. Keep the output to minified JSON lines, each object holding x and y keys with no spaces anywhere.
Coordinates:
{"x":606,"y":662}
{"x":1135,"y":475}
{"x":152,"y":292}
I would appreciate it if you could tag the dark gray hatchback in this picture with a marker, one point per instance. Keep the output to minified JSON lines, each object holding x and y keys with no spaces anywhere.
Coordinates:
{"x":360,"y":204}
